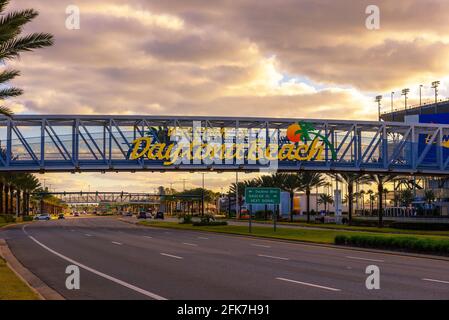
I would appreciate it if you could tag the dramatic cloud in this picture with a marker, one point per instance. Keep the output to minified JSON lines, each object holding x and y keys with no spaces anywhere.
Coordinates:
{"x":277,"y":58}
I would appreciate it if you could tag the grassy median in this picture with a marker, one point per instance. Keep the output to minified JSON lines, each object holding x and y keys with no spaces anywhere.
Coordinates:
{"x":361,"y":228}
{"x":298,"y":234}
{"x":11,"y":287}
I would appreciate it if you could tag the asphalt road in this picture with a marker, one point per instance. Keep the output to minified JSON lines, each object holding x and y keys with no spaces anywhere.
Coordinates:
{"x":122,"y":261}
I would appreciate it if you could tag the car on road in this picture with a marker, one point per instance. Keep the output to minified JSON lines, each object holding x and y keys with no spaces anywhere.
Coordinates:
{"x":143,"y":215}
{"x":61,"y":216}
{"x":159,"y":215}
{"x":42,"y":217}
{"x":76,"y":214}
{"x":128,"y":214}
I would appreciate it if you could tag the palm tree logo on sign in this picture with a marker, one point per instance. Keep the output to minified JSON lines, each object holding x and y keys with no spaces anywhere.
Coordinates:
{"x":305,"y":132}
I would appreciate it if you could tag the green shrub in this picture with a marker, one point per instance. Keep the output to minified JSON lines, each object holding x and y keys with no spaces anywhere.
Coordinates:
{"x":185,"y":218}
{"x":211,"y":223}
{"x":431,"y":226}
{"x":27,"y":218}
{"x":7,"y":218}
{"x":412,"y":244}
{"x":369,"y":223}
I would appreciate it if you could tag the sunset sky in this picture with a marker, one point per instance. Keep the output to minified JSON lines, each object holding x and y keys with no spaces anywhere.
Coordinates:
{"x":276,"y":58}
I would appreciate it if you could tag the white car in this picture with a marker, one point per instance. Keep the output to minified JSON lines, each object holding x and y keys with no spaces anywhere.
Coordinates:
{"x":44,"y":216}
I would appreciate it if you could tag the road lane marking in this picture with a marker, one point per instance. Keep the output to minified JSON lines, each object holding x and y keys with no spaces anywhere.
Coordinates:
{"x":272,"y":257}
{"x":308,"y":284}
{"x":117,"y":243}
{"x":98,"y":273}
{"x":434,"y":280}
{"x":190,"y":244}
{"x":203,"y":238}
{"x":260,"y":245}
{"x":88,"y":235}
{"x":171,"y":256}
{"x":148,"y":237}
{"x":365,"y":259}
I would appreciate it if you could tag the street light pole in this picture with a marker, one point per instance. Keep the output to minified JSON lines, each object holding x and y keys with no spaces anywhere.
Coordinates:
{"x":405,"y":93}
{"x":392,"y":95}
{"x":378,"y":100}
{"x":202,"y":194}
{"x":435,"y":85}
{"x":420,"y":94}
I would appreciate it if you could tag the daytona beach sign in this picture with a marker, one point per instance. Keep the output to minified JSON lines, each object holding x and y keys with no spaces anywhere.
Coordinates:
{"x":196,"y":145}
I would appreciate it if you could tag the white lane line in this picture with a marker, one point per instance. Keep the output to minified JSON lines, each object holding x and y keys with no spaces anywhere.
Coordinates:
{"x":434,"y":280}
{"x":190,"y":244}
{"x":117,"y":243}
{"x":148,"y":237}
{"x":98,"y":273}
{"x":260,"y":245}
{"x":365,"y":259}
{"x":308,"y":284}
{"x":272,"y":257}
{"x":203,"y":238}
{"x":88,"y":235}
{"x":171,"y":256}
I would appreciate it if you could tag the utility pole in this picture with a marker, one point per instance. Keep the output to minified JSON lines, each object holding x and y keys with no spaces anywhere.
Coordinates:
{"x":184,"y":184}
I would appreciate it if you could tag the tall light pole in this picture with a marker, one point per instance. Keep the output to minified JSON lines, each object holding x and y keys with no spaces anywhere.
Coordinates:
{"x":237,"y":204}
{"x":378,"y":100}
{"x":420,"y":94}
{"x":435,"y":85}
{"x":392,"y":97}
{"x":202,"y":194}
{"x":405,"y":93}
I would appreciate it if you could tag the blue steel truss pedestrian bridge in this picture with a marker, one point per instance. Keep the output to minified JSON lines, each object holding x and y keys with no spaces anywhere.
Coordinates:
{"x":81,"y":143}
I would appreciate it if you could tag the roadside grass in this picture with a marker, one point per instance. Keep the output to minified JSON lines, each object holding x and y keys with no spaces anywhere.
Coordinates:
{"x":298,"y":234}
{"x":358,"y":228}
{"x":11,"y":287}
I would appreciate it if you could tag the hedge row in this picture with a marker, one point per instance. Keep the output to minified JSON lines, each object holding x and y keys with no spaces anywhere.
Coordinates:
{"x":432,"y":246}
{"x":7,"y":218}
{"x":433,"y":226}
{"x":211,"y":223}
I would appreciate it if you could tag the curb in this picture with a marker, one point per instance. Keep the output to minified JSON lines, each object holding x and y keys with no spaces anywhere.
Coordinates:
{"x":333,"y":246}
{"x":43,"y":291}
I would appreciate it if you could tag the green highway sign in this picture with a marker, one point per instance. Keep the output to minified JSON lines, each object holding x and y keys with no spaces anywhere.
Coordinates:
{"x":262,"y":195}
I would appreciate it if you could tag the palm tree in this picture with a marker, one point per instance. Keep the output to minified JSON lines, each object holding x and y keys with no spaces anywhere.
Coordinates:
{"x":291,"y":183}
{"x":351,"y":179}
{"x":12,"y":44}
{"x":380,"y":180}
{"x":371,"y":200}
{"x":307,"y":181}
{"x":362,"y":194}
{"x":325,"y":199}
{"x":429,"y":196}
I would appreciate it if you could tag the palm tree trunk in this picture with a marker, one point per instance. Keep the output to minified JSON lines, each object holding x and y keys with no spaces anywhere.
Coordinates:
{"x":1,"y":197}
{"x":308,"y":204}
{"x":2,"y":187}
{"x":11,"y":200}
{"x":18,"y":202}
{"x":6,"y":211}
{"x":292,"y":195}
{"x":379,"y":204}
{"x":350,"y":198}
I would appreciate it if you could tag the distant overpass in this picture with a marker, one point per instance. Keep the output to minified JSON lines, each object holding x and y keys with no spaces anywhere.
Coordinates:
{"x":84,"y":143}
{"x":97,"y":197}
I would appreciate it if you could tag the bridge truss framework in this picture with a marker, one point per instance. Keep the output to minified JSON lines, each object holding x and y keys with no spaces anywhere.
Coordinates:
{"x":71,"y":143}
